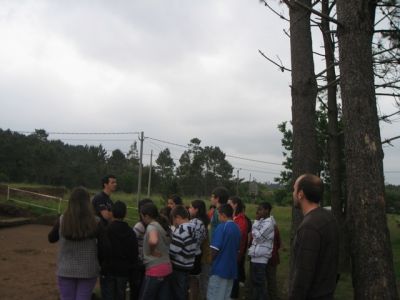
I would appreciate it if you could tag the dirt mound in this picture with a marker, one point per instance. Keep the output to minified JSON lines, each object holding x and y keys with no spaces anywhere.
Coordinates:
{"x":13,"y":211}
{"x":9,"y":210}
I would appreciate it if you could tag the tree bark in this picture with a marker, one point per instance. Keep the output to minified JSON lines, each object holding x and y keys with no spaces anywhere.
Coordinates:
{"x":334,"y":142}
{"x":371,"y":252}
{"x":304,"y":93}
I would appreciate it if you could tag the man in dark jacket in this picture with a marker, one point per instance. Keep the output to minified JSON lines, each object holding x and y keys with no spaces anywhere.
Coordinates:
{"x":315,"y":245}
{"x":118,"y":253}
{"x":102,"y":202}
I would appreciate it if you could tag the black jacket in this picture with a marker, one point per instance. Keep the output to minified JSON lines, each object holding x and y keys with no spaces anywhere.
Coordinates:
{"x":315,"y":254}
{"x":118,"y":250}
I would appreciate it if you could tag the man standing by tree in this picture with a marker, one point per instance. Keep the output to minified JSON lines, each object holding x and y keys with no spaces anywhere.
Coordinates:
{"x":316,"y":244}
{"x":101,"y":202}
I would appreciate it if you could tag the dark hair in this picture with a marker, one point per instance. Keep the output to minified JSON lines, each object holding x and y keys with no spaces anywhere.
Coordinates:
{"x":221,"y":193}
{"x":240,"y":207}
{"x":106,"y":178}
{"x":150,"y":209}
{"x":201,"y":211}
{"x":226,"y":209}
{"x":140,"y":204}
{"x":166,"y":213}
{"x":180,"y":211}
{"x":143,"y":202}
{"x":79,"y":221}
{"x":312,"y":187}
{"x":266,"y":205}
{"x":119,"y":210}
{"x":177,"y":200}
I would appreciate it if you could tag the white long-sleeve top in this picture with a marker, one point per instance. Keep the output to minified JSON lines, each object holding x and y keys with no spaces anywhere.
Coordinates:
{"x":262,"y":231}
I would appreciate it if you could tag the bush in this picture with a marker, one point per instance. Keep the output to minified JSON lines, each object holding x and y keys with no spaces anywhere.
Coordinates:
{"x":4,"y":178}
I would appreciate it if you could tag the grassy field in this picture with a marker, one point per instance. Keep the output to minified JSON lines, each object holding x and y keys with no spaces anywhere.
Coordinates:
{"x":282,"y":215}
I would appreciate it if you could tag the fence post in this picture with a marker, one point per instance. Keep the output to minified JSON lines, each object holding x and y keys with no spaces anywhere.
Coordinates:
{"x":8,"y":193}
{"x":59,"y":205}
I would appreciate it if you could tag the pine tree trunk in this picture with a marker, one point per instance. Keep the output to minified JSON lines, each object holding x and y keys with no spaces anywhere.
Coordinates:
{"x":304,"y":94}
{"x":371,"y":252}
{"x":334,"y":143}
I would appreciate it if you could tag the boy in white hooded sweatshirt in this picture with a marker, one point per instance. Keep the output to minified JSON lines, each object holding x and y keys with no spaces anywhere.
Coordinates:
{"x":260,"y":250}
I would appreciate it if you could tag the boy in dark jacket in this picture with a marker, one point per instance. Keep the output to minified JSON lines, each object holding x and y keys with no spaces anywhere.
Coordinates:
{"x":118,"y":253}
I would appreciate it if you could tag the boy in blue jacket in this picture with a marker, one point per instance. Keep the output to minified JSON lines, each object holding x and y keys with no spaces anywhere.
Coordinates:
{"x":225,"y":250}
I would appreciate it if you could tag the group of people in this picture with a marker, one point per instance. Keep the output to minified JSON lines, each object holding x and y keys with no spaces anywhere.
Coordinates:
{"x":181,"y":252}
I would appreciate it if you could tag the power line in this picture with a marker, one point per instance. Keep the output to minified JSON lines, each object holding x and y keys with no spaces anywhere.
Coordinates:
{"x":254,"y":160}
{"x":82,"y":133}
{"x":166,"y":142}
{"x":98,"y":140}
{"x":227,"y":155}
{"x":257,"y":171}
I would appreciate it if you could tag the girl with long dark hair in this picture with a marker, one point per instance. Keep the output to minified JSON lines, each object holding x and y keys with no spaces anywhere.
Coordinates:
{"x":200,"y":220}
{"x":140,"y":230}
{"x":77,"y":231}
{"x":240,"y":219}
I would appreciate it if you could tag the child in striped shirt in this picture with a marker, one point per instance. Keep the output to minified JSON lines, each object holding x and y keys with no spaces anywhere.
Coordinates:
{"x":182,"y":252}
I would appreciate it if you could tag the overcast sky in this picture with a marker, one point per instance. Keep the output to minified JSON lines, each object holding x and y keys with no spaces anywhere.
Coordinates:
{"x":173,"y":69}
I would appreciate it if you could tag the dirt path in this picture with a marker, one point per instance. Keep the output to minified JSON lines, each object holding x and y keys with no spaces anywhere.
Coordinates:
{"x":27,"y":263}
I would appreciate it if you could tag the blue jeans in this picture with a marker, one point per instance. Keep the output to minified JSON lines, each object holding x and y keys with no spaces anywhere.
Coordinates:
{"x":155,"y":288}
{"x":258,"y":278}
{"x":113,"y":287}
{"x":219,"y":288}
{"x":180,"y":284}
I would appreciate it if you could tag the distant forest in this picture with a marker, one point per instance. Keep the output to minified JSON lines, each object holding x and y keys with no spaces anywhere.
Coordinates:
{"x":36,"y":159}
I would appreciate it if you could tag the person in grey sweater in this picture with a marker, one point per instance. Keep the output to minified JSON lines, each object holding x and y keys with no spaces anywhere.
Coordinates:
{"x":155,"y":255}
{"x":77,"y":231}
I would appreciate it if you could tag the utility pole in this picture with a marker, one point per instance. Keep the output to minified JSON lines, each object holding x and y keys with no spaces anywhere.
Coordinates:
{"x":141,"y":139}
{"x":149,"y":183}
{"x":237,"y":182}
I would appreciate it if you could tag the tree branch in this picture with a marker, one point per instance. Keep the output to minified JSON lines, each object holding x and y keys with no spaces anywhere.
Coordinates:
{"x":323,"y":103}
{"x":324,"y":71}
{"x":388,"y":141}
{"x":317,"y":13}
{"x":387,"y":94}
{"x":387,"y":61}
{"x":287,"y":33}
{"x":335,"y":82}
{"x":385,"y":50}
{"x":281,"y":66}
{"x":383,"y":86}
{"x":386,"y":31}
{"x":386,"y":117}
{"x":274,"y":11}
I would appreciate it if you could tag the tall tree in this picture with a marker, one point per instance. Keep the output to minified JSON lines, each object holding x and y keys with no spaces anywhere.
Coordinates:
{"x":117,"y":162}
{"x":335,"y":139}
{"x":165,"y":169}
{"x":217,"y":170}
{"x":371,"y":252}
{"x":304,"y":94}
{"x":190,"y":170}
